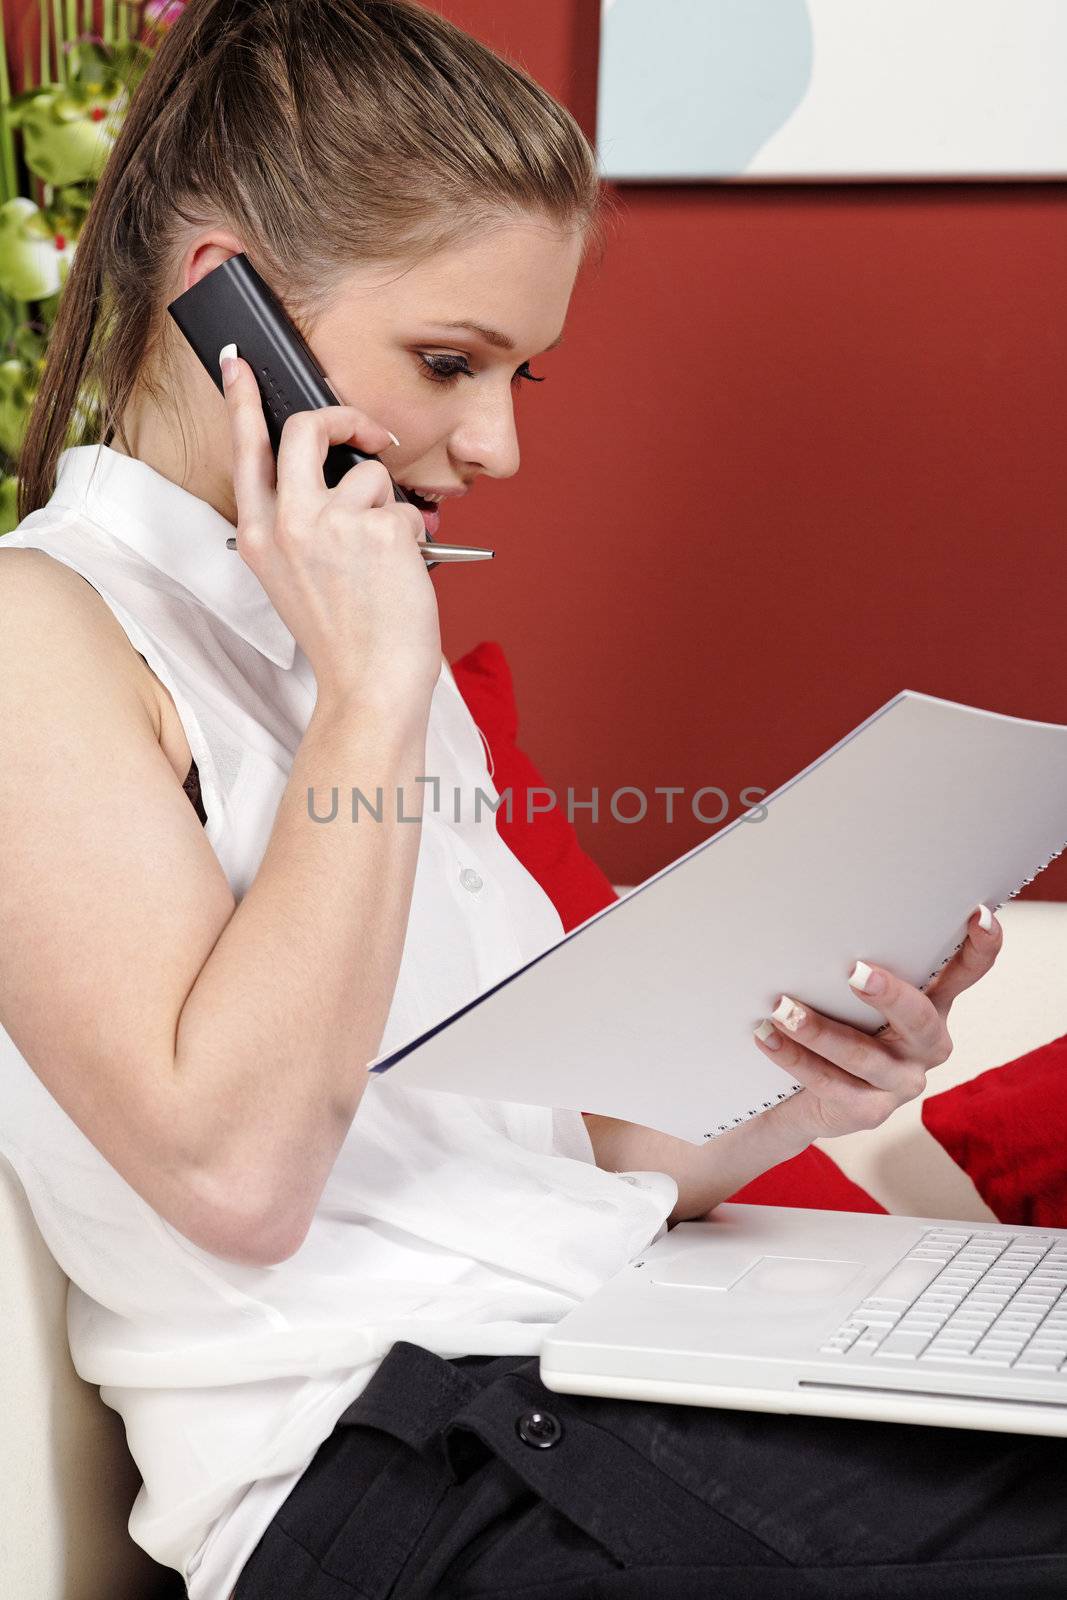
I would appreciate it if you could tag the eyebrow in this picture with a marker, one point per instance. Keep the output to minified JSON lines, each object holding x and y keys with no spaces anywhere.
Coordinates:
{"x":493,"y":337}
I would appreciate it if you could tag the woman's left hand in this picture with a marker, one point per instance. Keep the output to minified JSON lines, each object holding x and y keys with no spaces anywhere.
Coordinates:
{"x":855,"y":1080}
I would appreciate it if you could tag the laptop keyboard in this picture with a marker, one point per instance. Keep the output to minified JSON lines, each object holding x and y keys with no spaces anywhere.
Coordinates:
{"x":992,"y":1299}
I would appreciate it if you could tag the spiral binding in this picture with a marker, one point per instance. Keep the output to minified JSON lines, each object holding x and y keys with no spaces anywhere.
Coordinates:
{"x":765,"y":1105}
{"x":1053,"y":857}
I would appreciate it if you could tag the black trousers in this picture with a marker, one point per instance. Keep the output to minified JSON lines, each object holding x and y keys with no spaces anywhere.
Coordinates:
{"x":467,"y":1477}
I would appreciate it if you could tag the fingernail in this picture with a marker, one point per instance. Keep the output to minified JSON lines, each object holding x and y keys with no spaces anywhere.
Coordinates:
{"x":789,"y":1014}
{"x":985,"y":918}
{"x":228,"y":362}
{"x":768,"y":1034}
{"x":865,"y":979}
{"x":393,"y":437}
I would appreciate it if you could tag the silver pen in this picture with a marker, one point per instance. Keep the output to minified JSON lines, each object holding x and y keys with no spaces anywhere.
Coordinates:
{"x":453,"y":552}
{"x":434,"y":553}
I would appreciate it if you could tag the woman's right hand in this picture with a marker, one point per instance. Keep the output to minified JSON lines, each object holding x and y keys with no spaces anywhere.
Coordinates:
{"x":341,"y":566}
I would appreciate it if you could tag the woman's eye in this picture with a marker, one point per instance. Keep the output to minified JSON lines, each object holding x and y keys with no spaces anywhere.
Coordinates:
{"x":442,"y":369}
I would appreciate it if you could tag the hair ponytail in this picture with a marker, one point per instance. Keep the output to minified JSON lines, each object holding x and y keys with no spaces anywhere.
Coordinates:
{"x":324,"y":133}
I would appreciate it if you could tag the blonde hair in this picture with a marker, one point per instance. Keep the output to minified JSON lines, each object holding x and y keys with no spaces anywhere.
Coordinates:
{"x":324,"y":133}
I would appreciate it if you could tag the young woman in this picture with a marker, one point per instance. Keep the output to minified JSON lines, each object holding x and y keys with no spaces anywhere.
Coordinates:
{"x":317,"y":1300}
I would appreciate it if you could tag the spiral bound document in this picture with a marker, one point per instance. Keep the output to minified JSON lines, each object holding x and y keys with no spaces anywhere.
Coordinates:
{"x":877,"y":851}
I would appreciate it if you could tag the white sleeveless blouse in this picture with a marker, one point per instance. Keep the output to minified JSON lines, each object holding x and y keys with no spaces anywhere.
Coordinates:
{"x":467,"y":1226}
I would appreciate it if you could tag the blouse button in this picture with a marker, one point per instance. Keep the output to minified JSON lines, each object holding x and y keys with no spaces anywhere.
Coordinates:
{"x":470,"y":880}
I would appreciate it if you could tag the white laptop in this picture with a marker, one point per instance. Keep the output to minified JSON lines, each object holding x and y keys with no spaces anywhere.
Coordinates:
{"x":767,"y":1308}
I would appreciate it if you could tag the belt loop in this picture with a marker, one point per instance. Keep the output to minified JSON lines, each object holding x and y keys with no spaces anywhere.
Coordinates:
{"x":414,"y":1393}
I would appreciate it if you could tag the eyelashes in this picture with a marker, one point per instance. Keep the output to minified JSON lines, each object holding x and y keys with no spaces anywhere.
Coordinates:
{"x":444,"y":369}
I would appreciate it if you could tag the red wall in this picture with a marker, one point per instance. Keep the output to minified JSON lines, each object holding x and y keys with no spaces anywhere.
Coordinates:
{"x":802,"y":447}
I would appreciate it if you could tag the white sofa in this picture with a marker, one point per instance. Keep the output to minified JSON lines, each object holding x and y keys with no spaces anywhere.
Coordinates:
{"x":67,"y":1480}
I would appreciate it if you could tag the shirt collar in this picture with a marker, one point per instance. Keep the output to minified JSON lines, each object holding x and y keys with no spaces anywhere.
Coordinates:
{"x":181,"y":535}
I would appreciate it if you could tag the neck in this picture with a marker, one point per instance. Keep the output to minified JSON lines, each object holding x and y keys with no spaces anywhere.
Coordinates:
{"x":158,"y":442}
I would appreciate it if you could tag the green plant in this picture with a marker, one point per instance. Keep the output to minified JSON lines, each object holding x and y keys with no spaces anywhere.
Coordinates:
{"x":55,"y":136}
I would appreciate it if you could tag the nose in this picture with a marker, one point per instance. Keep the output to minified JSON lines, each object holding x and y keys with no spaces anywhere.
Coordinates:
{"x":486,"y":437}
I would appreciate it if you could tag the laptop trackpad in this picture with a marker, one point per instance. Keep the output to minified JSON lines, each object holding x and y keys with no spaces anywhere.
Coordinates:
{"x":698,"y":1269}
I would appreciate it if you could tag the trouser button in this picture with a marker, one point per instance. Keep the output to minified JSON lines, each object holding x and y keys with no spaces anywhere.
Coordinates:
{"x":540,"y":1429}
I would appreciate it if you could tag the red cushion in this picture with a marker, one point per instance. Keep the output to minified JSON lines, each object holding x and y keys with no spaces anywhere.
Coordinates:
{"x":1007,"y":1129}
{"x":548,"y":848}
{"x":547,"y":844}
{"x":811,"y":1180}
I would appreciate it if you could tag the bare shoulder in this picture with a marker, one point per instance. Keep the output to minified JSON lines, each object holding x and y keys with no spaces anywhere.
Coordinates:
{"x":111,"y":896}
{"x":54,"y":623}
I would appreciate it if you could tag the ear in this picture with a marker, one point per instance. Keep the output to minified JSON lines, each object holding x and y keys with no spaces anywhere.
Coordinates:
{"x":204,"y":253}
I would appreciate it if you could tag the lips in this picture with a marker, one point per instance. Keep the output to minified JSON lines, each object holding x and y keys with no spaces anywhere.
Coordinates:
{"x":431,"y":515}
{"x":433,"y":494}
{"x":417,"y":499}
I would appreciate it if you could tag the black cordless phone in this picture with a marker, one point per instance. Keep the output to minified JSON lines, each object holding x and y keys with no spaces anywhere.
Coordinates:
{"x":233,"y":305}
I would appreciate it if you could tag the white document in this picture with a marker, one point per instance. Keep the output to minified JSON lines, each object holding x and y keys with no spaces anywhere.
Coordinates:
{"x":877,"y":851}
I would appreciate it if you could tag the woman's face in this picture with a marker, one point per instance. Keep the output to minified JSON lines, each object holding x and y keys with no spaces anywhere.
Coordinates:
{"x":448,"y":393}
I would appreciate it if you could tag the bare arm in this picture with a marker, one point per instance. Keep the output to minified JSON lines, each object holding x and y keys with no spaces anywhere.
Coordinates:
{"x":214,"y":1054}
{"x":273,"y":1039}
{"x":705,"y":1174}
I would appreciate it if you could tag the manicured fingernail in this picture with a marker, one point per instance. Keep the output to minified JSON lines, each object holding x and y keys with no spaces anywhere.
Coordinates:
{"x":393,"y":437}
{"x":865,"y":979}
{"x":789,"y":1014}
{"x":985,"y":918}
{"x":228,"y":362}
{"x":768,"y":1034}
